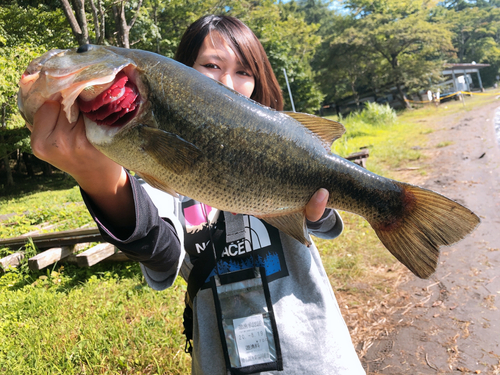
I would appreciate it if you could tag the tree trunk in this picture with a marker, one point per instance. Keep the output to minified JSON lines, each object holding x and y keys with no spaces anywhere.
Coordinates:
{"x":8,"y":171}
{"x":155,"y":20}
{"x":123,"y":29}
{"x":19,"y":155}
{"x":6,"y":161}
{"x":46,"y":169}
{"x":402,"y":97}
{"x":28,"y":164}
{"x":356,"y":95}
{"x":397,"y":81}
{"x":121,"y":25}
{"x":99,"y":37}
{"x":78,"y":24}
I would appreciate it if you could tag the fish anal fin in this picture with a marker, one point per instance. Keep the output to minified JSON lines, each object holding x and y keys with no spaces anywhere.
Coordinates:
{"x":169,"y":150}
{"x":292,"y":224}
{"x":429,"y":221}
{"x":157,"y":184}
{"x":327,"y":130}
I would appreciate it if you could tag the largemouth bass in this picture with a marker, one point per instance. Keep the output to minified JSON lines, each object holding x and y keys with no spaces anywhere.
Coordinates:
{"x":187,"y":134}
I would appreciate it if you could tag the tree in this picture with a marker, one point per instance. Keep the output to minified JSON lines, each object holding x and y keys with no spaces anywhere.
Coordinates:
{"x":341,"y":69}
{"x":25,"y":32}
{"x":476,"y":33}
{"x":77,"y":19}
{"x":290,"y":43}
{"x":13,"y":134}
{"x":123,"y":28}
{"x":402,"y":35}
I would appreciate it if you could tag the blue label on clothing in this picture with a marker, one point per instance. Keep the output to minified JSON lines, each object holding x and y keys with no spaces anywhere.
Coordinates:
{"x":261,"y":246}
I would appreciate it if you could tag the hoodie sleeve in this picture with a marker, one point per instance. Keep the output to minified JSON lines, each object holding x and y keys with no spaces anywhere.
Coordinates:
{"x":328,"y":227}
{"x":153,"y":241}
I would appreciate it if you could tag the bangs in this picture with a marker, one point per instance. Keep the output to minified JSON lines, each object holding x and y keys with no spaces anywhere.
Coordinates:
{"x":239,"y":40}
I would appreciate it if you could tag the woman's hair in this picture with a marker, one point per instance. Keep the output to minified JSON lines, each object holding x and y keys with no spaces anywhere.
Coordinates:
{"x":244,"y":43}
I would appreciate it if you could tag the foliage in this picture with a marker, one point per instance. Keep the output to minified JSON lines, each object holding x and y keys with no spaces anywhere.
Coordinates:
{"x":399,"y":33}
{"x":377,"y":114}
{"x":475,"y":28}
{"x":35,"y":26}
{"x":390,"y":141}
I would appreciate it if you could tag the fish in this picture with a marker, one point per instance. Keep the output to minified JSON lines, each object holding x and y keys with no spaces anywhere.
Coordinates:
{"x":190,"y":135}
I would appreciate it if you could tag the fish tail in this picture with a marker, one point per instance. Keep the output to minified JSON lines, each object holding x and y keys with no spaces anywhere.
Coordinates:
{"x":427,"y":221}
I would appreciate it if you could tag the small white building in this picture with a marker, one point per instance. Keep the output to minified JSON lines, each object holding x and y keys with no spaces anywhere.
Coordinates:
{"x":460,"y":75}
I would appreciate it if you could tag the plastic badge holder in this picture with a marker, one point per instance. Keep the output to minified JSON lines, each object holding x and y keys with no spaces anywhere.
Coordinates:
{"x":246,"y":322}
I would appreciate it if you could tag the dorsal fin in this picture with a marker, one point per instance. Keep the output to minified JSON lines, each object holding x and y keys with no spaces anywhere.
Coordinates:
{"x":327,"y":130}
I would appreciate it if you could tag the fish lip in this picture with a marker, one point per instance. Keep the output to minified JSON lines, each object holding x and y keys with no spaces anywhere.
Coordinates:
{"x":37,"y":64}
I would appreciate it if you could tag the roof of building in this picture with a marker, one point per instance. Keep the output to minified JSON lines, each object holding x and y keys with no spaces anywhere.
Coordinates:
{"x":463,"y":67}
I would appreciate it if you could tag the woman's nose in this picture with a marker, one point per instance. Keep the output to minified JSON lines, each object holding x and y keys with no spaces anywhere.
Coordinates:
{"x":227,"y":80}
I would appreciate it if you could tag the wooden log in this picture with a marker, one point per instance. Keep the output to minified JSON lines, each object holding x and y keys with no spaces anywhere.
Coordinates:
{"x":116,"y":257}
{"x":359,"y":157}
{"x":53,"y":255}
{"x":55,"y":239}
{"x":119,"y":256}
{"x":364,"y":153}
{"x":95,"y":254}
{"x":12,"y":260}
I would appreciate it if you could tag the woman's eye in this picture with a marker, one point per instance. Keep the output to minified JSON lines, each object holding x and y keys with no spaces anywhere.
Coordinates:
{"x":243,"y":73}
{"x":211,"y":66}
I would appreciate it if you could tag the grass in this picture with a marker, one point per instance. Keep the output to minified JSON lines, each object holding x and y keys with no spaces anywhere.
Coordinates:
{"x":105,"y":320}
{"x":444,"y":144}
{"x":391,"y":142}
{"x":109,"y":322}
{"x":35,"y":204}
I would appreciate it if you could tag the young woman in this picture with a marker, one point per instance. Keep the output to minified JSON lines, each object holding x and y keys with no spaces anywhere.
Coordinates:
{"x":171,"y":236}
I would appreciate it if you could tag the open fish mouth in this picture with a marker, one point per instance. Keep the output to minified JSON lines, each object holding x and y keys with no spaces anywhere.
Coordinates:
{"x":105,"y":91}
{"x":111,"y":104}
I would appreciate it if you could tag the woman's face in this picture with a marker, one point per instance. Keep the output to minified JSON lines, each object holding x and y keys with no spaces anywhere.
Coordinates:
{"x":222,"y":64}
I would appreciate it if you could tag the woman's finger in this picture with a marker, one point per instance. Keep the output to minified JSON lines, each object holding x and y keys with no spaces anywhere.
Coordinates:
{"x":316,"y":205}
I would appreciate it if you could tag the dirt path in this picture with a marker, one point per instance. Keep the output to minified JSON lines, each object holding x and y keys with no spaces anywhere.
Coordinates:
{"x":452,"y":322}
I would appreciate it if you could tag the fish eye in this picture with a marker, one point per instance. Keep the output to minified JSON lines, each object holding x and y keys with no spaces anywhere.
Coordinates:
{"x":84,"y":48}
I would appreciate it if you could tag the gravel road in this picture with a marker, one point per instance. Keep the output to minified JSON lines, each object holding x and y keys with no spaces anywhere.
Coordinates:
{"x":452,"y":322}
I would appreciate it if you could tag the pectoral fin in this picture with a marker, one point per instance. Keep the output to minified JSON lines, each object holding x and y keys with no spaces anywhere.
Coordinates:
{"x":294,"y":225}
{"x":169,"y":150}
{"x":158,"y":184}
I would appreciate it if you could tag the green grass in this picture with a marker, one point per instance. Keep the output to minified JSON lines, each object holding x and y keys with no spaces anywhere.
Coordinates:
{"x":105,"y":320}
{"x":36,"y":205}
{"x":444,"y":144}
{"x":390,"y":140}
{"x":70,"y":320}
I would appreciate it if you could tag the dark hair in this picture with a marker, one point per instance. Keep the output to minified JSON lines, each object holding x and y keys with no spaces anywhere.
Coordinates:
{"x":244,"y":43}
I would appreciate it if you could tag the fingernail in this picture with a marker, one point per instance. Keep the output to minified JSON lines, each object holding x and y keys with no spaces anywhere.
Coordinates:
{"x":321,"y":195}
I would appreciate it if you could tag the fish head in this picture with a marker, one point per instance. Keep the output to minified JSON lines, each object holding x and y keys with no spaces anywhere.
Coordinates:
{"x":94,"y":80}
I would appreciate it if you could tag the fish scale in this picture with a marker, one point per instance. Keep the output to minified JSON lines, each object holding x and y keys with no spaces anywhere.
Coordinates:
{"x":191,"y":135}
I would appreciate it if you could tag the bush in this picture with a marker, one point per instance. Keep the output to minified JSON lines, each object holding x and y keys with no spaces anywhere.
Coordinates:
{"x":376,"y":114}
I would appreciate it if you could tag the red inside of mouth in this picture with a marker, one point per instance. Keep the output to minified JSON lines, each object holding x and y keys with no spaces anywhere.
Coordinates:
{"x":115,"y":106}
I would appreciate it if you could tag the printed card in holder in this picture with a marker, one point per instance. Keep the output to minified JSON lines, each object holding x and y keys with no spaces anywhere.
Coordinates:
{"x":246,"y":322}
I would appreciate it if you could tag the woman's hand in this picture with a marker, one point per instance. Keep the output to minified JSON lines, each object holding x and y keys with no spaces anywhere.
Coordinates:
{"x":317,"y":205}
{"x":65,"y":146}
